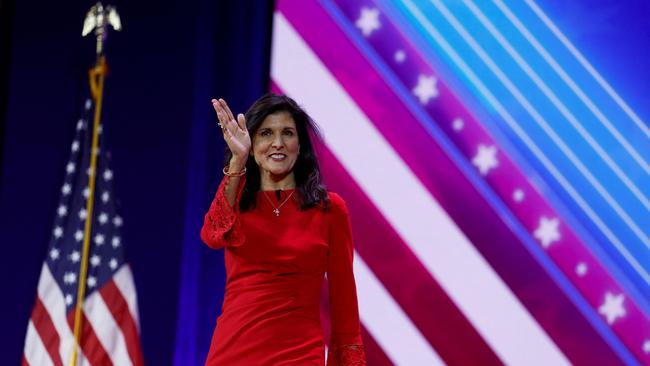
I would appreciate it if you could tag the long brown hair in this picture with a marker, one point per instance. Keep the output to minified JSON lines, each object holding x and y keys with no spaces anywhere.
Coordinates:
{"x":309,"y":188}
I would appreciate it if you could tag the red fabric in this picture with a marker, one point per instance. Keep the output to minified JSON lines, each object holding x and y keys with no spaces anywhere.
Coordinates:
{"x":275,"y":267}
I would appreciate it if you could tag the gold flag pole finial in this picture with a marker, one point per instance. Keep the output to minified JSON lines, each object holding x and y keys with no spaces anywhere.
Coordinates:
{"x":98,"y":19}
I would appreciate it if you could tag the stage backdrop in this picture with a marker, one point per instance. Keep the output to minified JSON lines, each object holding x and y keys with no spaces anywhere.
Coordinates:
{"x":495,"y":163}
{"x":493,"y":157}
{"x":170,"y":59}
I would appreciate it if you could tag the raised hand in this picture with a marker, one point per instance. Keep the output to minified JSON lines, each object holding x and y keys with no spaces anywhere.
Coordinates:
{"x":234,"y":132}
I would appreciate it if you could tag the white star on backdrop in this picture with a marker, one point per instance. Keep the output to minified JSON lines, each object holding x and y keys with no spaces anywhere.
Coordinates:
{"x":58,"y":232}
{"x":116,"y":242}
{"x":368,"y":21}
{"x":91,"y":281}
{"x":97,"y":150}
{"x":518,"y":195}
{"x":117,"y":221}
{"x":69,"y":278}
{"x":547,"y":231}
{"x":75,"y":256}
{"x":80,"y":124}
{"x":70,"y":168}
{"x":108,"y":174}
{"x":581,"y":269}
{"x":86,"y":192}
{"x":112,"y":263}
{"x":486,"y":158}
{"x":612,"y":308}
{"x":89,"y":171}
{"x":68,"y":299}
{"x":66,"y":189}
{"x":458,"y":124}
{"x":75,"y":146}
{"x":89,"y":104}
{"x":99,"y":239}
{"x":105,"y":196}
{"x":78,"y":235}
{"x":62,"y":210}
{"x":102,"y":218}
{"x":82,"y":214}
{"x":95,"y":260}
{"x":399,"y":56}
{"x":426,"y":88}
{"x":54,"y":254}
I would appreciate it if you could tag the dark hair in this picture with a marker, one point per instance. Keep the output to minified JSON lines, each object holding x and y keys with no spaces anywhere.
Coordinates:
{"x":310,"y":191}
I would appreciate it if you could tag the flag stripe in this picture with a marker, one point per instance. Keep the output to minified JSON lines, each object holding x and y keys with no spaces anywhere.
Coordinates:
{"x":388,"y":324}
{"x":106,"y":329}
{"x":494,"y":236}
{"x":119,"y":310}
{"x":107,"y":314}
{"x":369,"y":343}
{"x":570,"y":115}
{"x":421,"y":297}
{"x":496,"y":316}
{"x":45,"y":328}
{"x":52,"y":298}
{"x":90,"y":344}
{"x":124,"y":281}
{"x":569,"y":251}
{"x":375,"y":355}
{"x":35,"y":351}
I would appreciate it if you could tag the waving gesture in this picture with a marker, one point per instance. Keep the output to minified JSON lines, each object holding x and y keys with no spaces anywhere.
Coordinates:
{"x":234,"y":131}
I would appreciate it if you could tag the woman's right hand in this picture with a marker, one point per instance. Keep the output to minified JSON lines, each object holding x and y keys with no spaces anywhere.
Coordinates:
{"x":234,"y":131}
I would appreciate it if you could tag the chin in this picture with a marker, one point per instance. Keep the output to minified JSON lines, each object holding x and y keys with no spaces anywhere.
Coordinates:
{"x":280,"y":172}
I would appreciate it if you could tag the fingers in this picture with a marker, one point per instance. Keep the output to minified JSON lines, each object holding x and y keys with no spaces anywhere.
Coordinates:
{"x":220,"y":114}
{"x":229,"y":125}
{"x":241,"y":121}
{"x":225,"y":107}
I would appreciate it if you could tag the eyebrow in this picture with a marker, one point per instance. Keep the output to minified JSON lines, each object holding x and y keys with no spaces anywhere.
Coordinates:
{"x":283,"y":129}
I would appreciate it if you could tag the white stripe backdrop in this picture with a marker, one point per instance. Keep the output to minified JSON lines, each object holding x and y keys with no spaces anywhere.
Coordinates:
{"x":471,"y":283}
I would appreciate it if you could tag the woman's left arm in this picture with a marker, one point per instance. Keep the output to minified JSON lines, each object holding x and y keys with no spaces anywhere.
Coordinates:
{"x":346,"y":347}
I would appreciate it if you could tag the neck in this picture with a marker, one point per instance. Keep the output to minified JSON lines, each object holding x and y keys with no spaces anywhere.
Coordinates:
{"x":270,"y":182}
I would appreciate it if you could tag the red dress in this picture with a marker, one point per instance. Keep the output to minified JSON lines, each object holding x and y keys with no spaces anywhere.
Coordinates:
{"x":275,"y":267}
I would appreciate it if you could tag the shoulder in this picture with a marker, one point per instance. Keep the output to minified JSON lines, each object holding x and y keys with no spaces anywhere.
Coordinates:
{"x":338,"y":205}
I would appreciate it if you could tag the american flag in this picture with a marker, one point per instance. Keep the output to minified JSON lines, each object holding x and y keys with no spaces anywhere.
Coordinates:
{"x":110,"y":330}
{"x":497,"y":184}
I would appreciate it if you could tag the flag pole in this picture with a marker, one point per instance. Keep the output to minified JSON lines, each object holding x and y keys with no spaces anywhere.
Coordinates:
{"x":98,"y":19}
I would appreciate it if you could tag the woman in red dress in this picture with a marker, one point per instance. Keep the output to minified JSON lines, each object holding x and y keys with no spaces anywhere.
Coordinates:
{"x":281,"y":232}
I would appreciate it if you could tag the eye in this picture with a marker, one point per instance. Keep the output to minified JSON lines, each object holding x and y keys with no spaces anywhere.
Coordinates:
{"x":288,"y":132}
{"x":265,"y":133}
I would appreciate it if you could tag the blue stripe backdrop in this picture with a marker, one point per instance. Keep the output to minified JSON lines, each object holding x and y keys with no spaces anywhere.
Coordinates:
{"x":625,"y":247}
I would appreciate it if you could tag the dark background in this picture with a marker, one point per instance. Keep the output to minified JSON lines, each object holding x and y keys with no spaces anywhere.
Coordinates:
{"x":170,"y":59}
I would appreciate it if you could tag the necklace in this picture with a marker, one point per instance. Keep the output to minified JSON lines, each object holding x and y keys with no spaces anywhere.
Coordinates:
{"x":276,"y":209}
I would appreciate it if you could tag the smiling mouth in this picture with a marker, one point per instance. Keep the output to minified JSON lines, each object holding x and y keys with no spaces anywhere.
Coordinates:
{"x":277,"y":157}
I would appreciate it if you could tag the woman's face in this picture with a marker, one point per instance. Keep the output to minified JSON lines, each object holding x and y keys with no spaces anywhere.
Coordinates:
{"x":276,"y":146}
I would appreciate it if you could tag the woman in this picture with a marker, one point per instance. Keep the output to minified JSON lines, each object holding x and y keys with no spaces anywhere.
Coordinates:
{"x":282,"y":231}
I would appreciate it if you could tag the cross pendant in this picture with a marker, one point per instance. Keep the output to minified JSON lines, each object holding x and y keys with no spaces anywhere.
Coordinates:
{"x":276,"y":212}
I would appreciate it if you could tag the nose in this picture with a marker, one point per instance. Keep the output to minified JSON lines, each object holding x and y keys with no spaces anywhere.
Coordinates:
{"x":277,"y":142}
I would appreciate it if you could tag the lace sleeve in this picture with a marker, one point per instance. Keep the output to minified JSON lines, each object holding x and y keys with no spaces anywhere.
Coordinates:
{"x":346,"y":355}
{"x":221,"y":225}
